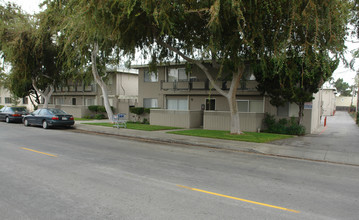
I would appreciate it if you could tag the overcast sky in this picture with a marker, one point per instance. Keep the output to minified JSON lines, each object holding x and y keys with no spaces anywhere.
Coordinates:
{"x":32,"y":6}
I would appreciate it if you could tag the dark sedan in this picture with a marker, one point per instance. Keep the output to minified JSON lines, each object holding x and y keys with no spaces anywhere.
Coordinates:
{"x":12,"y":114}
{"x":50,"y":117}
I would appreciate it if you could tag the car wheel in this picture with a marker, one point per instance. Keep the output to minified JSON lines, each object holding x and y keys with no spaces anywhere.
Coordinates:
{"x":45,"y":125}
{"x":7,"y":120}
{"x":26,"y":122}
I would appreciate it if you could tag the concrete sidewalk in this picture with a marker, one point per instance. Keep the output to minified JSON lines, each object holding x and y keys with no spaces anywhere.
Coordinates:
{"x":322,"y":155}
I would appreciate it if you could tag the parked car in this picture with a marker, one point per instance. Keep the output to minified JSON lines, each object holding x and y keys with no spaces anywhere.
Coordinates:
{"x":12,"y":114}
{"x":49,"y":117}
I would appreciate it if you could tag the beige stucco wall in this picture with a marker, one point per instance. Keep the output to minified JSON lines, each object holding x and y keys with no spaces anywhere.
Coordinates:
{"x":328,"y":101}
{"x":345,"y":101}
{"x":6,"y":93}
{"x":127,"y":85}
{"x":182,"y":119}
{"x":221,"y":120}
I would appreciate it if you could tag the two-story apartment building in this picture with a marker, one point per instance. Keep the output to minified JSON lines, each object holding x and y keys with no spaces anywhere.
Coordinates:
{"x":184,"y":97}
{"x":6,"y":100}
{"x":76,"y":96}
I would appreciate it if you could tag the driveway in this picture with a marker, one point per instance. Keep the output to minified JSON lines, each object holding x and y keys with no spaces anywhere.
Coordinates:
{"x":341,"y":134}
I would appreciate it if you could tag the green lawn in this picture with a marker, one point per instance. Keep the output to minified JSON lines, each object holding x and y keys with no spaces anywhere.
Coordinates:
{"x":247,"y":136}
{"x":137,"y":126}
{"x":83,"y":119}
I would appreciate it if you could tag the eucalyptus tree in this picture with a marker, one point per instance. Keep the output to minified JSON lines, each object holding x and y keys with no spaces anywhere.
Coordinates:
{"x":230,"y":33}
{"x":31,"y":51}
{"x":86,"y":45}
{"x":296,"y":80}
{"x":227,"y":33}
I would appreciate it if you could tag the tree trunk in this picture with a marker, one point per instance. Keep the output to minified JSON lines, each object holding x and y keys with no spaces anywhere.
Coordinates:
{"x":101,"y":83}
{"x":231,"y":95}
{"x":301,"y":113}
{"x":45,"y":94}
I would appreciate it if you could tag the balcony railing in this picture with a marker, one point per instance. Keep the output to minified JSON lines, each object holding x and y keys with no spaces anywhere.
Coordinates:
{"x":72,"y":89}
{"x":249,"y":85}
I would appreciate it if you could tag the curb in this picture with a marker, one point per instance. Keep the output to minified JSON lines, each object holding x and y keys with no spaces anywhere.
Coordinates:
{"x":252,"y":148}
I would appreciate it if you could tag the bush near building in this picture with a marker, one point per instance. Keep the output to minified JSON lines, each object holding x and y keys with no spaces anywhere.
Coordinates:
{"x":283,"y":126}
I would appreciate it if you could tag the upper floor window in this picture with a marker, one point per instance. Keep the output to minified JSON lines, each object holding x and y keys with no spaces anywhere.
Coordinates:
{"x":150,"y":76}
{"x":177,"y":75}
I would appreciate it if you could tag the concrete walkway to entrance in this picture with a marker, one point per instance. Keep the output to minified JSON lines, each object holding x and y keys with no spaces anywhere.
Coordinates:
{"x":340,"y":135}
{"x":337,"y":143}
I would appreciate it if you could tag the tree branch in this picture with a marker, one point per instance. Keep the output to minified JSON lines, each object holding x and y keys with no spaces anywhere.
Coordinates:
{"x":196,"y":62}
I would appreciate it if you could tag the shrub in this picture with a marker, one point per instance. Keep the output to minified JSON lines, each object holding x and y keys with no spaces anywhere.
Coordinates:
{"x":147,"y":110}
{"x":93,"y":108}
{"x":100,"y":116}
{"x":137,"y":110}
{"x":358,"y":118}
{"x":89,"y":117}
{"x":145,"y":121}
{"x":98,"y":108}
{"x":283,"y":126}
{"x":1,"y":106}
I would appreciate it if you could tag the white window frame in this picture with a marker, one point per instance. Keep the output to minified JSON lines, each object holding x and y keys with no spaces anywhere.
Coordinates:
{"x":93,"y":100}
{"x":177,"y":75}
{"x":151,"y":103}
{"x":152,"y":76}
{"x":59,"y":101}
{"x":249,"y":104}
{"x":177,"y":104}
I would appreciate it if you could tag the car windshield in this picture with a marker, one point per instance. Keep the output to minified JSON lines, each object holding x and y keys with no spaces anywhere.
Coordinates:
{"x":57,"y":112}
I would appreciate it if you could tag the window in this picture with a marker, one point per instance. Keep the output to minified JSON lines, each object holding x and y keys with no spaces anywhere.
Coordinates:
{"x":7,"y":100}
{"x":0,"y":100}
{"x":210,"y":104}
{"x":59,"y":101}
{"x":177,"y":104}
{"x":150,"y":76}
{"x":283,"y":110}
{"x":150,"y":103}
{"x":73,"y":101}
{"x":250,"y":106}
{"x":36,"y":112}
{"x":25,"y":101}
{"x":90,"y":102}
{"x":44,"y":112}
{"x":175,"y":75}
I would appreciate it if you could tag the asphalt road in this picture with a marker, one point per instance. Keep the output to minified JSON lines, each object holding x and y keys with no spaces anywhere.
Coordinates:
{"x":61,"y":174}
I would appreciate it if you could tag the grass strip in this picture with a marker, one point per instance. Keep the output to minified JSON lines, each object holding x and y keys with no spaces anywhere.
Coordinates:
{"x":247,"y":136}
{"x":137,"y":126}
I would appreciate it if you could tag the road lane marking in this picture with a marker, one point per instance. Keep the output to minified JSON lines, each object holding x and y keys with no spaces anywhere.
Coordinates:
{"x":235,"y":198}
{"x":38,"y":152}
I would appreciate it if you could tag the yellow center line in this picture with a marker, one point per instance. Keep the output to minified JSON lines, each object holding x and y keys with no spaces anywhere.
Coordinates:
{"x":235,"y":198}
{"x":38,"y":152}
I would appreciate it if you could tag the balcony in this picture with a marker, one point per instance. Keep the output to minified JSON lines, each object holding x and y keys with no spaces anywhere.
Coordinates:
{"x":75,"y":89}
{"x":249,"y":85}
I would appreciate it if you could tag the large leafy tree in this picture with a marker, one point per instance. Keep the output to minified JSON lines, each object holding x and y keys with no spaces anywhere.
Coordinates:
{"x":229,"y":33}
{"x":87,"y":47}
{"x":296,"y":80}
{"x":342,"y":87}
{"x":31,"y":51}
